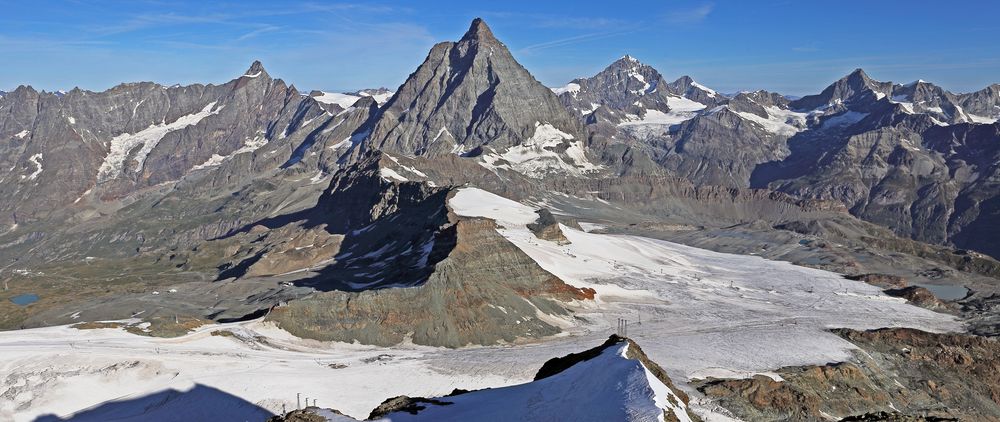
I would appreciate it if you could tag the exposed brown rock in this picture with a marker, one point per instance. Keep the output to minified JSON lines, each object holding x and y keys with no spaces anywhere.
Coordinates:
{"x":411,"y":405}
{"x":885,"y":281}
{"x":894,"y":417}
{"x":485,"y":291}
{"x":921,"y":297}
{"x":546,"y":227}
{"x":301,"y":415}
{"x":900,"y":374}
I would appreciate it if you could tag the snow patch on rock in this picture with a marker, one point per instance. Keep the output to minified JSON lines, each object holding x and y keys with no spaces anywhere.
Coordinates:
{"x":681,"y":110}
{"x":779,"y":121}
{"x":537,"y":156}
{"x":146,"y":140}
{"x":391,"y":175}
{"x":35,"y":159}
{"x":570,"y":87}
{"x":343,"y":100}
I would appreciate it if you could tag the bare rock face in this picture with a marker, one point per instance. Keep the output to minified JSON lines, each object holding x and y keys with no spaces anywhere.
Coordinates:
{"x":628,"y":90}
{"x":485,"y":291}
{"x":982,"y":103}
{"x":911,"y":157}
{"x":901,"y":374}
{"x":856,"y":88}
{"x":305,"y":249}
{"x":467,"y":96}
{"x":85,"y":151}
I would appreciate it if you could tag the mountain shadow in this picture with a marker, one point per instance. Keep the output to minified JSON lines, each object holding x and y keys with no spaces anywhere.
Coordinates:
{"x":201,"y":403}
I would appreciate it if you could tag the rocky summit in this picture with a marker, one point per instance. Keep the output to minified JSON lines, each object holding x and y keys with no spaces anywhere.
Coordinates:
{"x":247,"y":250}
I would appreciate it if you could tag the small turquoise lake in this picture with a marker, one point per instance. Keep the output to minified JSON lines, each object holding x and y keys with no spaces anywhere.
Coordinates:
{"x":25,"y":299}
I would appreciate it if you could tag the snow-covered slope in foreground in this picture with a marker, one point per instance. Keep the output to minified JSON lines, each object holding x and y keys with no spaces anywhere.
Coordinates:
{"x":250,"y":373}
{"x":609,"y":387}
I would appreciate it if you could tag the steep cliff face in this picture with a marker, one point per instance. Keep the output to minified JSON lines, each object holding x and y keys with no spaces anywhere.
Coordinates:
{"x":472,"y":98}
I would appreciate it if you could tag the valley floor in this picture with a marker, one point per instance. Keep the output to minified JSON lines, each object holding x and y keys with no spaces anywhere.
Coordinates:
{"x":697,"y":313}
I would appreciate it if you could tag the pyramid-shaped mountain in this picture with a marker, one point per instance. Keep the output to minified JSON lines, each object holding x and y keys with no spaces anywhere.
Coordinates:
{"x":466,"y":96}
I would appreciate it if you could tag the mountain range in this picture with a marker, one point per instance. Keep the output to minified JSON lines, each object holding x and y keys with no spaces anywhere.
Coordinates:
{"x":442,"y":213}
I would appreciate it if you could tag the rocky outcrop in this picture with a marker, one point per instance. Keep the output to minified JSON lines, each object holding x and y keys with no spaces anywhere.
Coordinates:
{"x":899,"y":373}
{"x":921,"y":297}
{"x":411,"y":405}
{"x":547,"y":228}
{"x":484,"y":291}
{"x":885,"y":281}
{"x":303,"y":415}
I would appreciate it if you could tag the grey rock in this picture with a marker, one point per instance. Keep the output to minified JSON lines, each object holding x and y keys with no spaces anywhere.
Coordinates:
{"x":466,"y":97}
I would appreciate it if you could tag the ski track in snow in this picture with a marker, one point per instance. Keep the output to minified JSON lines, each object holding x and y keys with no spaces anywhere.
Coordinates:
{"x":695,"y":312}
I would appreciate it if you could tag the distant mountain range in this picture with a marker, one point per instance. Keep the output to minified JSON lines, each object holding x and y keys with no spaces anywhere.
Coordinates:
{"x":473,"y":205}
{"x":100,"y":166}
{"x":915,"y":158}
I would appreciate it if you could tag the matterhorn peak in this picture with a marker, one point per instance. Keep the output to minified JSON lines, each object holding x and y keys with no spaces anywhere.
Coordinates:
{"x":479,"y":31}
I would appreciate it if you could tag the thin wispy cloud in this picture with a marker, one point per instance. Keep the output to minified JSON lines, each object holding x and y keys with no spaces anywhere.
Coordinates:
{"x":33,"y":43}
{"x":542,"y":20}
{"x":809,"y":48}
{"x":256,"y":32}
{"x":577,"y":39}
{"x":158,"y":20}
{"x":690,"y":16}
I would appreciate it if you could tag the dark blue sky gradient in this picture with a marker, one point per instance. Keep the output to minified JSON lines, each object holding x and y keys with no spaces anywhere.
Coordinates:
{"x":791,"y":47}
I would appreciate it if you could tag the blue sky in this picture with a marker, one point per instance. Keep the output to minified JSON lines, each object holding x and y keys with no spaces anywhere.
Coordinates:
{"x":792,"y":47}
